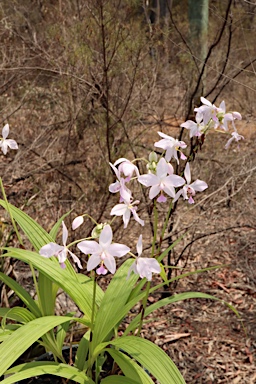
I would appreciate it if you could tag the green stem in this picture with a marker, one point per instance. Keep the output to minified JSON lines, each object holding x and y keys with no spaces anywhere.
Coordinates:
{"x":90,"y":217}
{"x":145,"y":299}
{"x":164,"y":227}
{"x":89,"y":372}
{"x":9,"y":211}
{"x":36,"y":285}
{"x":78,"y":241}
{"x":144,"y":305}
{"x":155,"y":229}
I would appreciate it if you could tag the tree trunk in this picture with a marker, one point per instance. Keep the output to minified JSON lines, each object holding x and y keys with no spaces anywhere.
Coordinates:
{"x":198,"y":25}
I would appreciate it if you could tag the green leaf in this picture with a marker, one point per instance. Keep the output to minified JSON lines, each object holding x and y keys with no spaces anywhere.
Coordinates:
{"x":5,"y":333}
{"x":35,"y":233}
{"x":113,"y":302}
{"x":169,"y":300}
{"x":82,"y":351}
{"x":151,"y":357}
{"x":116,"y":379}
{"x":54,"y":231}
{"x":21,"y":293}
{"x":62,"y":332}
{"x":167,"y":250}
{"x":81,"y":294}
{"x":37,"y":237}
{"x":163,"y":274}
{"x":129,"y":367}
{"x":47,"y":292}
{"x":137,"y":289}
{"x":21,"y":315}
{"x":83,"y":279}
{"x":25,"y":371}
{"x":21,"y":339}
{"x":186,"y":275}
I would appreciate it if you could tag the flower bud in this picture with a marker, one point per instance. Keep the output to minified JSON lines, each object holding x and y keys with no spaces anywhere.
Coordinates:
{"x":97,"y":230}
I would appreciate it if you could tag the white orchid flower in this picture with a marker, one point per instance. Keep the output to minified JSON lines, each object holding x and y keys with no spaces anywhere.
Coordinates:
{"x":144,"y":266}
{"x":171,"y":146}
{"x":126,"y":167}
{"x":60,"y":251}
{"x":160,"y":182}
{"x":104,"y":252}
{"x":235,"y":136}
{"x":119,"y":186}
{"x":217,"y":114}
{"x":5,"y":143}
{"x":189,"y":190}
{"x":195,"y":129}
{"x":125,"y":209}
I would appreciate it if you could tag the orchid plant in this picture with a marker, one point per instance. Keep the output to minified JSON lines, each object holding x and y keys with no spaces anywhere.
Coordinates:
{"x":136,"y":360}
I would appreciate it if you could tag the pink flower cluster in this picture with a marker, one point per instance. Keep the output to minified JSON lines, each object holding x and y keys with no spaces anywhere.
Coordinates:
{"x":162,"y":182}
{"x":209,"y":116}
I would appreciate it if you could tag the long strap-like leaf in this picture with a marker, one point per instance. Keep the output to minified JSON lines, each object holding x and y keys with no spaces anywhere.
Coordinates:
{"x":21,"y":339}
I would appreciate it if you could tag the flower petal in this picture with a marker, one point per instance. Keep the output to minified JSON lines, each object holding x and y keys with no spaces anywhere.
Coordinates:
{"x":89,"y":247}
{"x":148,"y":180}
{"x":174,"y":181}
{"x":139,"y":246}
{"x":187,"y":173}
{"x":136,"y":217}
{"x":118,"y":210}
{"x":106,"y":237}
{"x":4,"y":146}
{"x":117,"y":250}
{"x":64,"y":233}
{"x":162,"y":168}
{"x":110,"y":263}
{"x":5,"y":131}
{"x":206,"y":102}
{"x":146,"y":266}
{"x":170,"y":191}
{"x":177,"y":195}
{"x":75,"y":258}
{"x":77,"y":222}
{"x":199,"y":185}
{"x":133,"y":268}
{"x":154,"y":190}
{"x":11,"y":143}
{"x":101,"y":270}
{"x":126,"y":217}
{"x":50,"y":249}
{"x":93,"y":261}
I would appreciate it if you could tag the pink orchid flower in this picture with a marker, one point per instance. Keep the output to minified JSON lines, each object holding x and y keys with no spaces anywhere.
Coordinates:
{"x":235,"y":136}
{"x":195,"y":129}
{"x":189,"y":190}
{"x":4,"y":142}
{"x":144,"y":266}
{"x":160,"y":182}
{"x":127,"y":168}
{"x":119,"y":186}
{"x":125,"y":209}
{"x":171,"y":146}
{"x":60,"y":251}
{"x":103,"y":252}
{"x":217,"y":114}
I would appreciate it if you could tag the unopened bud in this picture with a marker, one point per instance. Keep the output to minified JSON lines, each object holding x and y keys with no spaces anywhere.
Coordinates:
{"x":152,"y":157}
{"x":97,"y":231}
